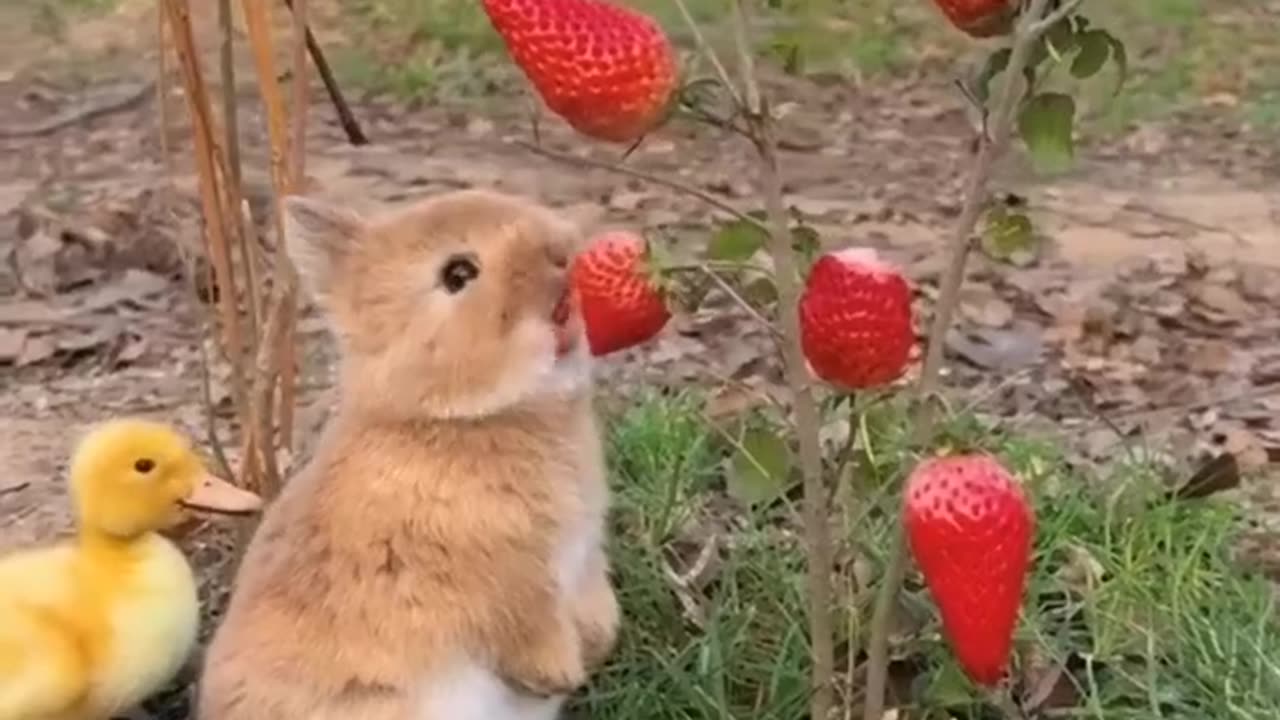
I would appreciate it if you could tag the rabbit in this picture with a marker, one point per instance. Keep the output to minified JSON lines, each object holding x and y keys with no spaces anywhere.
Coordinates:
{"x":441,"y":556}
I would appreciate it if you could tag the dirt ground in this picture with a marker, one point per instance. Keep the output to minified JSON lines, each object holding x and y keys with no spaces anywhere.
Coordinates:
{"x":1148,"y":321}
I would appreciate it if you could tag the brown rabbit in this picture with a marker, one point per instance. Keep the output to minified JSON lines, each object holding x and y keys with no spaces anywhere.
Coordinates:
{"x":441,"y":557}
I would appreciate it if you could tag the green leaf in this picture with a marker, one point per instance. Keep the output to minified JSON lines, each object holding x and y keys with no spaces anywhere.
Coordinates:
{"x":789,"y":54}
{"x":760,"y":467}
{"x":995,"y":64}
{"x":1045,"y":124}
{"x":760,"y":292}
{"x":1095,"y":49}
{"x":1121,"y":58}
{"x":737,"y":241}
{"x":1008,"y":236}
{"x":949,"y":687}
{"x":806,"y":241}
{"x":1061,"y":38}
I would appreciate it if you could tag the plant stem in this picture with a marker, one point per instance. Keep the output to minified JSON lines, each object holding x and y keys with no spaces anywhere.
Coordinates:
{"x":1029,"y":29}
{"x":666,"y":182}
{"x":817,"y":532}
{"x":705,"y":48}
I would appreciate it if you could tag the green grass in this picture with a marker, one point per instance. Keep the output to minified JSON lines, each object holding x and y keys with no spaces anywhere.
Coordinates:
{"x":1181,"y":50}
{"x":1134,"y":595}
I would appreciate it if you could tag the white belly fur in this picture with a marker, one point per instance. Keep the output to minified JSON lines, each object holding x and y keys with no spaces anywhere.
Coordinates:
{"x":472,"y":692}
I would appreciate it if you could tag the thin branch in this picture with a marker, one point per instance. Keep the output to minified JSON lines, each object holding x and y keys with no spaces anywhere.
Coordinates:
{"x":298,"y":104}
{"x":351,"y":126}
{"x":221,"y":464}
{"x":816,"y":519}
{"x":211,"y":173}
{"x":227,"y":68}
{"x":705,"y":48}
{"x":669,"y":183}
{"x":738,"y":299}
{"x":1031,"y":25}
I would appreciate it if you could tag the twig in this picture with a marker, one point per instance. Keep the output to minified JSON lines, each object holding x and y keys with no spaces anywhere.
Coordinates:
{"x":211,"y":168}
{"x":231,"y":131}
{"x":817,"y":532}
{"x":355,"y":135}
{"x":298,"y":104}
{"x":705,"y":48}
{"x":227,"y":67}
{"x":94,"y":108}
{"x":670,"y":183}
{"x":16,"y":487}
{"x":276,"y":343}
{"x":1029,"y":29}
{"x":739,"y":300}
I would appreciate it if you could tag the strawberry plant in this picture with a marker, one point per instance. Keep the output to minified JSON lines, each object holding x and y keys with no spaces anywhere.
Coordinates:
{"x":842,"y":318}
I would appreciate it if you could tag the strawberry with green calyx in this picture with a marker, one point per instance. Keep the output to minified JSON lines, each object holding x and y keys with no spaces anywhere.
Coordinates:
{"x":970,"y":528}
{"x":855,"y":320}
{"x":619,"y":293}
{"x":609,"y":71}
{"x":980,"y":18}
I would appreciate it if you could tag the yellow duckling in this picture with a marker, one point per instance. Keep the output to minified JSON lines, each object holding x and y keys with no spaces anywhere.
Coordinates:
{"x":93,"y":625}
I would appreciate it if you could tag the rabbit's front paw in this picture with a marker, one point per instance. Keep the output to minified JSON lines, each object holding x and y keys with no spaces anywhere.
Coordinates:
{"x":597,"y":617}
{"x":548,"y":665}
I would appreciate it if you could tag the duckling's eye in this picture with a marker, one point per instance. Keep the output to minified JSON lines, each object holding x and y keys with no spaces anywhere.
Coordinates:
{"x":144,"y":465}
{"x":457,"y":272}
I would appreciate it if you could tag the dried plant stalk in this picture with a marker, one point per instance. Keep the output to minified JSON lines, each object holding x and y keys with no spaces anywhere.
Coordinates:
{"x":274,"y":363}
{"x":219,"y":234}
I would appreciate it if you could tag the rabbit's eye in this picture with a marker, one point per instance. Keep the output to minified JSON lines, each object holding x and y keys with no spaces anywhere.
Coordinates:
{"x":457,"y":272}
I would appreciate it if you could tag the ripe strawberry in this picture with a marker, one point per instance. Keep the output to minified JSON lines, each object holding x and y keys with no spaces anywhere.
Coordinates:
{"x":980,"y":18}
{"x":970,"y":526}
{"x":855,"y":319}
{"x":607,"y":70}
{"x":621,"y":305}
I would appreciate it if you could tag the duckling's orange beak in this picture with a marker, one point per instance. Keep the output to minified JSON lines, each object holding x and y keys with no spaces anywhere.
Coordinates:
{"x":213,"y":494}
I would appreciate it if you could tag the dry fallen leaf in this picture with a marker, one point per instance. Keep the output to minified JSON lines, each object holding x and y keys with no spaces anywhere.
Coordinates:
{"x":1219,"y":302}
{"x":1219,"y":474}
{"x":11,"y":343}
{"x":37,"y":349}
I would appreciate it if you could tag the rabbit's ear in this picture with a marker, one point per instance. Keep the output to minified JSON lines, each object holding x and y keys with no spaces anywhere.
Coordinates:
{"x":317,"y":236}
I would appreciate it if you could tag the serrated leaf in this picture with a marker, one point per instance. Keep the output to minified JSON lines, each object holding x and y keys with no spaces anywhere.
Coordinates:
{"x":1007,"y":235}
{"x":736,"y":241}
{"x":1095,"y":50}
{"x":1046,"y":124}
{"x":759,"y":469}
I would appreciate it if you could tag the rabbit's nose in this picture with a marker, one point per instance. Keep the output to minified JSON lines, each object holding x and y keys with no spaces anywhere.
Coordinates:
{"x":558,"y":257}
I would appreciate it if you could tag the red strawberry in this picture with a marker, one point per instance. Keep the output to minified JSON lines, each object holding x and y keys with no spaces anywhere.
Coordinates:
{"x":970,"y":526}
{"x":855,"y":320}
{"x":621,"y":306}
{"x":607,"y":70}
{"x":980,"y":18}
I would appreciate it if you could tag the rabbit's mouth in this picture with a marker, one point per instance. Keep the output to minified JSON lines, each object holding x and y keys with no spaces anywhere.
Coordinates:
{"x":563,"y":323}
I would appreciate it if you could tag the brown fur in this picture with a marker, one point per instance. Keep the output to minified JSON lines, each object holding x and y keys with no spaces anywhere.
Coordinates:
{"x":415,"y":535}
